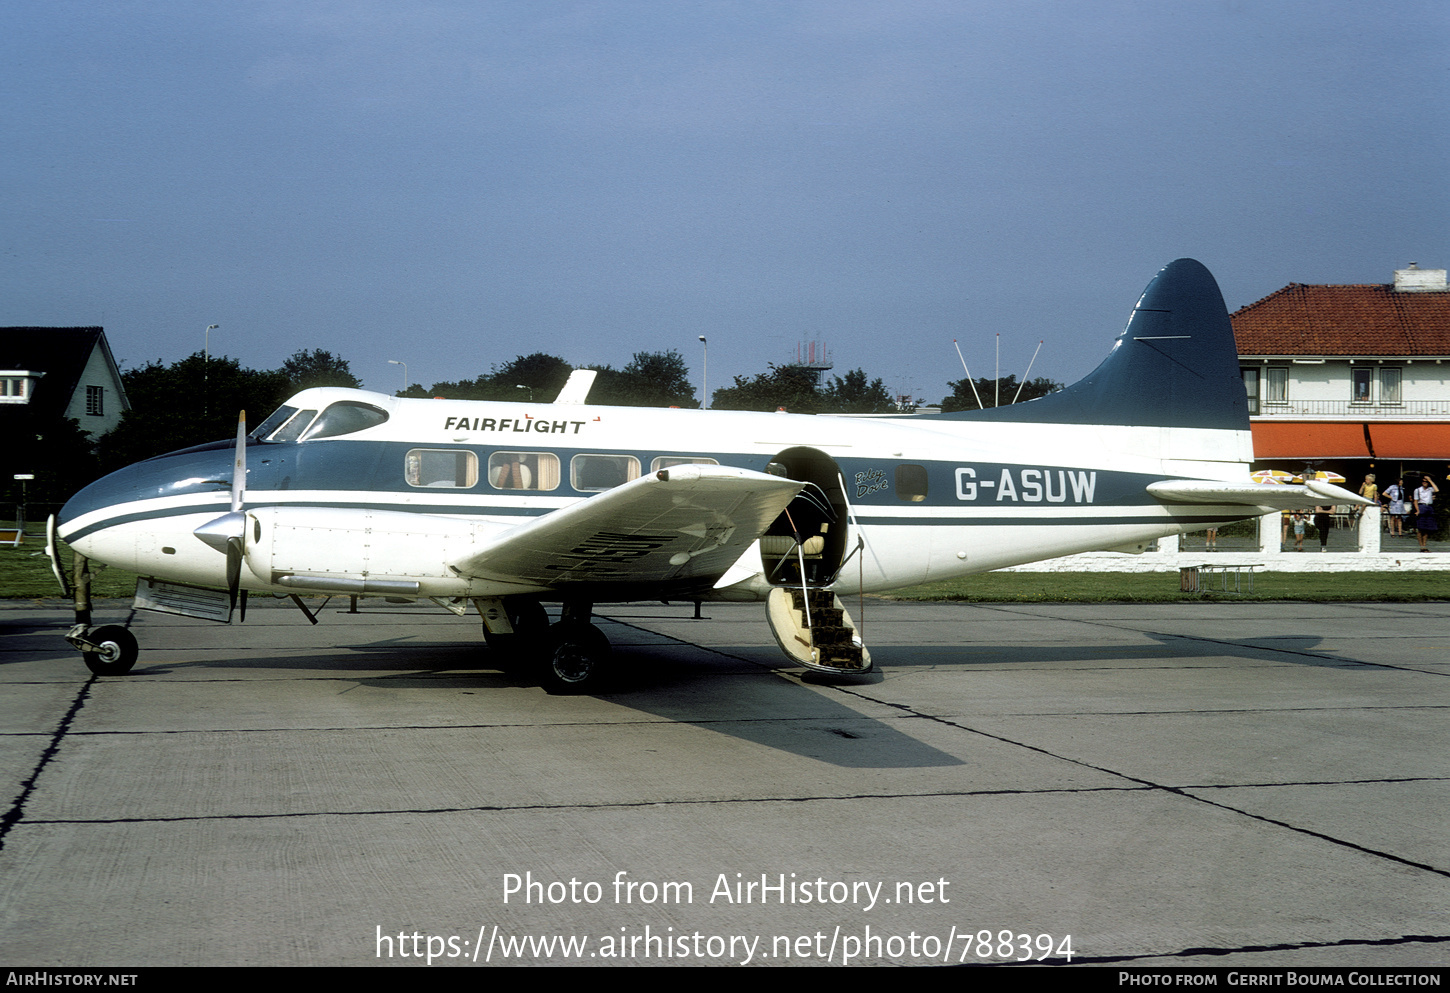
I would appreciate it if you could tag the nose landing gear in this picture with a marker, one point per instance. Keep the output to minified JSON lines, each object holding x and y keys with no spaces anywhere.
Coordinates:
{"x":109,"y":650}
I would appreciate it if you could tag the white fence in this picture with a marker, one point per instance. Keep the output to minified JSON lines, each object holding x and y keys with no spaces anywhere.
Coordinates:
{"x":1364,"y":556}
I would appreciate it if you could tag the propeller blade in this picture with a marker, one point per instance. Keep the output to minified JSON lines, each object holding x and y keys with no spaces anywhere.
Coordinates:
{"x":234,"y":578}
{"x":239,"y":464}
{"x":234,"y":569}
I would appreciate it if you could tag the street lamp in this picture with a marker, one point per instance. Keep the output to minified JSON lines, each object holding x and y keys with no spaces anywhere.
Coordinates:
{"x":705,"y":375}
{"x":520,"y":386}
{"x":22,"y":478}
{"x":406,"y":381}
{"x":205,"y":368}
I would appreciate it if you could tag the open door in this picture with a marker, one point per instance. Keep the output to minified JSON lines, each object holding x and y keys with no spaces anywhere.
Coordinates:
{"x":806,"y":544}
{"x":802,"y":552}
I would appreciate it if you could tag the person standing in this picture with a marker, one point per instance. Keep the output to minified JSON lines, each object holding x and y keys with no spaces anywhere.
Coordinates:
{"x":1394,"y":498}
{"x":1425,"y":523}
{"x":1370,"y":492}
{"x":1322,"y":520}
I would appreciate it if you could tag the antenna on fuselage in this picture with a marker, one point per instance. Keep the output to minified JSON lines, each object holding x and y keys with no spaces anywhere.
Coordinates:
{"x":1028,"y":372}
{"x":970,"y":381}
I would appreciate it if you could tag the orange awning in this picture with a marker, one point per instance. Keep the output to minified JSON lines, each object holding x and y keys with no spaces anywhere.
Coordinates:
{"x":1310,"y":440}
{"x":1409,"y":441}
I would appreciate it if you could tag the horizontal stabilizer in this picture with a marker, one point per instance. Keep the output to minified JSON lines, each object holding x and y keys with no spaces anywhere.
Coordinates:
{"x":684,"y":522}
{"x":1284,"y":497}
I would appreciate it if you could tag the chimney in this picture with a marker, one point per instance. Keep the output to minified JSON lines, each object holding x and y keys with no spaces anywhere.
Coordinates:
{"x":1417,"y":280}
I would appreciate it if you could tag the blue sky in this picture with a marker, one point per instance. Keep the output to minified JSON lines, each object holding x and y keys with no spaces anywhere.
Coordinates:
{"x":454,"y":184}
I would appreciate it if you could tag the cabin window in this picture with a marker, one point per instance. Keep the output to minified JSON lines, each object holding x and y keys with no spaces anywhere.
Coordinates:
{"x":523,"y":471}
{"x":442,"y":468}
{"x":1251,"y":388}
{"x":911,"y":483}
{"x":665,"y":461}
{"x":345,"y":417}
{"x":1361,"y":379}
{"x":1276,"y":384}
{"x":1390,"y":384}
{"x":596,"y":473}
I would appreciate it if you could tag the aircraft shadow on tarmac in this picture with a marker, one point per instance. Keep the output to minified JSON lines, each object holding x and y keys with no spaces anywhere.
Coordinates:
{"x":1171,"y":649}
{"x":728,"y":695}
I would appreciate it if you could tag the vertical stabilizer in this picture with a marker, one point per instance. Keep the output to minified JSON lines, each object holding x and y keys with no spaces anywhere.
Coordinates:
{"x":1174,"y":365}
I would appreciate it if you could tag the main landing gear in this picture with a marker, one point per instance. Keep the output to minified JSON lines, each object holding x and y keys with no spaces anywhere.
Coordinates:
{"x":569,"y":656}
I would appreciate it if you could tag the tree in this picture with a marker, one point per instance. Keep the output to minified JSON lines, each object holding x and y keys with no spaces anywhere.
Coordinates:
{"x":790,"y":386}
{"x":57,"y":452}
{"x":995,"y":391}
{"x":852,"y":395}
{"x":541,"y":375}
{"x":190,"y":402}
{"x":318,"y":368}
{"x":652,"y":379}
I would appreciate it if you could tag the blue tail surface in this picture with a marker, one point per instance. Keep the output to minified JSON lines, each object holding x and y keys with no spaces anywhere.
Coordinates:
{"x":1174,"y":365}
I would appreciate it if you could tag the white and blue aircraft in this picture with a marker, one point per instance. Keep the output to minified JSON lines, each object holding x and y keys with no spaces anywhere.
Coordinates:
{"x":508,"y":505}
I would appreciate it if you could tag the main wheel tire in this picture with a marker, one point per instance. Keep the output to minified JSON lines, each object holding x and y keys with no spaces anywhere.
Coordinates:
{"x":530,"y":622}
{"x":577,"y":659}
{"x":117,"y":651}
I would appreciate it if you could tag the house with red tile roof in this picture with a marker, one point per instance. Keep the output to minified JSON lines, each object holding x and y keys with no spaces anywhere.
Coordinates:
{"x":1350,"y":376}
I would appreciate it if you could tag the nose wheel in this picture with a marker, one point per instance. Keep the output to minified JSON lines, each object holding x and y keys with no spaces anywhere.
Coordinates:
{"x":109,"y":650}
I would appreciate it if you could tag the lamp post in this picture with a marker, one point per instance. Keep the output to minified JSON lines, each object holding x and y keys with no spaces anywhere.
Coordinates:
{"x":205,"y":369}
{"x":705,"y":375}
{"x":406,"y":381}
{"x":22,"y":478}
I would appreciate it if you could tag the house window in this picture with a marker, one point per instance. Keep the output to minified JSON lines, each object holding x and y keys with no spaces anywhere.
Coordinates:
{"x":96,"y":401}
{"x":14,"y":389}
{"x":1251,"y":388}
{"x":1390,"y":384}
{"x":1276,"y":385}
{"x":1360,"y":380}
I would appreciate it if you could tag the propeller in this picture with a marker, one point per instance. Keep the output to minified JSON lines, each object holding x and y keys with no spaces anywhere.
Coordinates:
{"x":228,"y":532}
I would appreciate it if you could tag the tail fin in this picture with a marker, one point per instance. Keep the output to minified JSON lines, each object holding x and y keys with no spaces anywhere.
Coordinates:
{"x":1174,"y":365}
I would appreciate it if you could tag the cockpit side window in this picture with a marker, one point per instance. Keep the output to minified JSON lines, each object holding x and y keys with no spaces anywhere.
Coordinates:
{"x":345,"y":417}
{"x":279,"y":417}
{"x":292,"y":428}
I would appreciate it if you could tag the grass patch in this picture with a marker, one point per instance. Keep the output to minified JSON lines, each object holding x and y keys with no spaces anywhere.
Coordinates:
{"x":25,"y":574}
{"x":1162,"y":587}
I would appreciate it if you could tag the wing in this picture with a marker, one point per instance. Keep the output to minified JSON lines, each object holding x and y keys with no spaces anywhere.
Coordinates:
{"x":1284,"y":497}
{"x":688,"y":522}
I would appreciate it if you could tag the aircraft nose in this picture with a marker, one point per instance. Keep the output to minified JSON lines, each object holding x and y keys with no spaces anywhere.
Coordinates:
{"x":82,"y":513}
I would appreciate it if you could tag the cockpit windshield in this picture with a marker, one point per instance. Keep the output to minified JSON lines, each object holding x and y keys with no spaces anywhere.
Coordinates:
{"x":343,"y":417}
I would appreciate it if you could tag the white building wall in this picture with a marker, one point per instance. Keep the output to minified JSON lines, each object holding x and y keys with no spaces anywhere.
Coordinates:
{"x":97,"y":373}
